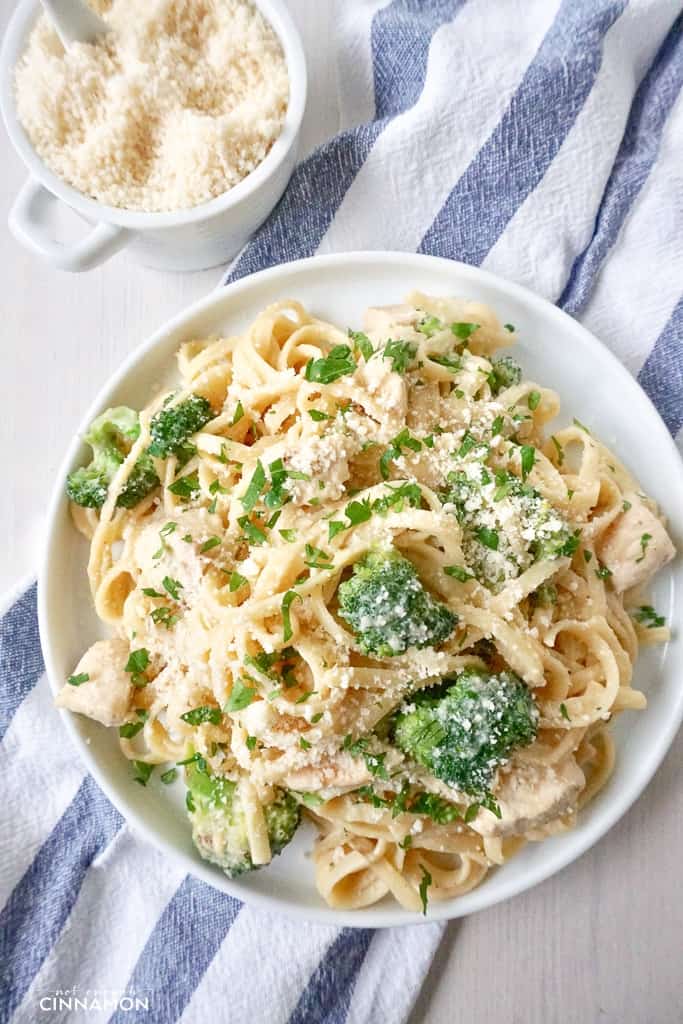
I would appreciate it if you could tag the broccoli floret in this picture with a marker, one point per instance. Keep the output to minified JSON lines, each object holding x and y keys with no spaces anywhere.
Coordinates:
{"x":504,"y":374}
{"x":389,"y":610}
{"x":219,"y":828}
{"x":110,"y":436}
{"x":462,"y":730}
{"x":142,"y":480}
{"x":506,"y":524}
{"x":170,"y":428}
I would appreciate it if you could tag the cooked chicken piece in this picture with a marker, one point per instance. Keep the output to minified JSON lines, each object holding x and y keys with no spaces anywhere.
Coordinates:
{"x":530,"y":796}
{"x":384,"y":322}
{"x":636,"y":545}
{"x":388,"y":395}
{"x":341,"y":772}
{"x":107,"y":694}
{"x":170,"y":555}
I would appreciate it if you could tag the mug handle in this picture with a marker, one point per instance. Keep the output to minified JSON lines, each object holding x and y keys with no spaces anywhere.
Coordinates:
{"x":28,"y":226}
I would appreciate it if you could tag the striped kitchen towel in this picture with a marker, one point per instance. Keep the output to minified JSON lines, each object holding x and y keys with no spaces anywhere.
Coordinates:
{"x":537,"y":138}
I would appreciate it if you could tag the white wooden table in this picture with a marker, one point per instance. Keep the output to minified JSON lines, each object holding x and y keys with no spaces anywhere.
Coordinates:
{"x":603,"y":941}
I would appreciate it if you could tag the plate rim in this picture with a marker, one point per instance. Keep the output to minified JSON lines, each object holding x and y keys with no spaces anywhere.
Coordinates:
{"x":371,"y":917}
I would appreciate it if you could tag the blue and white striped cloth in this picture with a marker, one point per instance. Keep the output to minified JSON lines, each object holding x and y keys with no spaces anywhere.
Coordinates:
{"x":540,"y":139}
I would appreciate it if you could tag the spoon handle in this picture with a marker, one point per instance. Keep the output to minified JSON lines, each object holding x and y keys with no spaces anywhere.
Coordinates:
{"x":74,"y":21}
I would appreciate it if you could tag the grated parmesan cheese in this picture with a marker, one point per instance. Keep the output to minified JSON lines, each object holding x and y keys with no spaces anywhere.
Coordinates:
{"x":176,"y":104}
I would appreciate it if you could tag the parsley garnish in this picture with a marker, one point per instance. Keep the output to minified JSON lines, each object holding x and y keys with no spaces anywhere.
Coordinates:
{"x":289,"y":597}
{"x":185,"y":486}
{"x":424,"y":886}
{"x":533,"y":400}
{"x":644,"y":541}
{"x":497,"y":426}
{"x":256,"y":485}
{"x":487,"y":537}
{"x":626,"y":505}
{"x":288,"y":535}
{"x":509,"y":327}
{"x":564,"y":712}
{"x":317,"y":416}
{"x":143,"y":772}
{"x":130,"y":729}
{"x":169,"y":776}
{"x":430,"y":325}
{"x":164,"y":616}
{"x":361,"y":343}
{"x":559,"y":449}
{"x":240,"y":697}
{"x":251,"y":742}
{"x":578,"y":423}
{"x":648,"y":616}
{"x":212,"y":542}
{"x":334,"y":527}
{"x":78,"y":680}
{"x":327,"y":369}
{"x":402,"y":440}
{"x":451,"y":363}
{"x":304,"y":744}
{"x":253,"y":533}
{"x":238,"y":414}
{"x":171,"y":587}
{"x":235,"y":582}
{"x":151,"y":592}
{"x":137,"y":662}
{"x":202,"y":715}
{"x":401,"y":354}
{"x":528,"y":455}
{"x":458,"y":572}
{"x":463,"y":330}
{"x":603,"y":572}
{"x":316,"y":558}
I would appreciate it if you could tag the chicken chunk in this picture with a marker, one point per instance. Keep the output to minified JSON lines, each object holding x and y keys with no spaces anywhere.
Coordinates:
{"x":530,"y":796}
{"x":341,"y":772}
{"x":107,"y":694}
{"x":384,"y":322}
{"x":636,"y":545}
{"x":386,"y":390}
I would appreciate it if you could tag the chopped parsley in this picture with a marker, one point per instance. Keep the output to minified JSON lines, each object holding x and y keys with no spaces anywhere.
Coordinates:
{"x":254,"y":534}
{"x":626,"y":505}
{"x":396,"y":446}
{"x":164,"y":616}
{"x":430,"y":325}
{"x":185,"y":486}
{"x":256,"y":485}
{"x":463,"y":330}
{"x":489,"y":538}
{"x":361,"y":343}
{"x":169,"y":776}
{"x":235,"y":582}
{"x":78,"y":680}
{"x":533,"y":400}
{"x":317,"y":416}
{"x":251,"y":742}
{"x":458,"y":572}
{"x":559,"y":449}
{"x":564,"y":712}
{"x":424,"y":887}
{"x":647,"y":616}
{"x":202,"y":715}
{"x":327,"y":369}
{"x":237,"y":415}
{"x":603,"y":572}
{"x":304,"y":744}
{"x":240,"y":697}
{"x":401,"y":354}
{"x":528,"y":456}
{"x":171,"y":587}
{"x":137,"y":662}
{"x":143,"y":772}
{"x":644,"y":541}
{"x":289,"y":597}
{"x":212,"y":542}
{"x":288,"y":535}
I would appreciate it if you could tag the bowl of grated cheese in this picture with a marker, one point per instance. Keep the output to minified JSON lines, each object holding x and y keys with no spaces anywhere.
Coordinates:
{"x":173,"y":135}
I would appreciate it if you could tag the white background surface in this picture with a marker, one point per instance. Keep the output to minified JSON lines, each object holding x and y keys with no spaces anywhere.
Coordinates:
{"x":602,"y":942}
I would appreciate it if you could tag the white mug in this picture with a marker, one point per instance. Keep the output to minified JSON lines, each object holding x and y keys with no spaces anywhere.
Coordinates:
{"x":193,"y":239}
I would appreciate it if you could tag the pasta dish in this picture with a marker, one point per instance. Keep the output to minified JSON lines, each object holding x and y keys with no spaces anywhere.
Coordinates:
{"x":355,"y":576}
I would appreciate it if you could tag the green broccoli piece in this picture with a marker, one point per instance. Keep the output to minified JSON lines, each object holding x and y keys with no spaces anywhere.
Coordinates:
{"x":491,"y":509}
{"x":504,"y":374}
{"x":170,"y":428}
{"x":110,"y":436}
{"x":462,"y":730}
{"x":388,"y":608}
{"x":219,"y":829}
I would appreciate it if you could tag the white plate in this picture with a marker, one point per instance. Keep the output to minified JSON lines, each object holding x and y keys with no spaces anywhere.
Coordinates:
{"x":555,"y":351}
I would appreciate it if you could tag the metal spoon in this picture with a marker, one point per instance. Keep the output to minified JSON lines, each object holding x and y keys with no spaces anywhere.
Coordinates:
{"x":74,"y":21}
